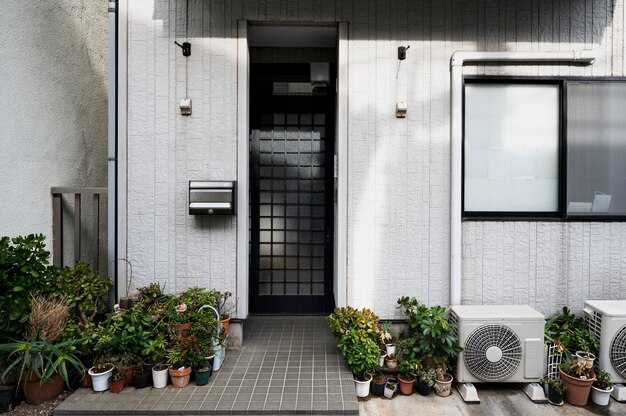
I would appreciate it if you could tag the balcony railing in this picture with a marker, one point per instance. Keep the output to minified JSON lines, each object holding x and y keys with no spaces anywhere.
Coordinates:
{"x":87,"y":229}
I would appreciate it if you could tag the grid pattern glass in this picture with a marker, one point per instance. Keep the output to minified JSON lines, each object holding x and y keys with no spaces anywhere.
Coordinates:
{"x":291,"y":204}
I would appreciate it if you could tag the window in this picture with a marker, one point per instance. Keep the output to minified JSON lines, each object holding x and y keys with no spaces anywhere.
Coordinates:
{"x":511,"y":148}
{"x":596,"y":143}
{"x":549,"y":148}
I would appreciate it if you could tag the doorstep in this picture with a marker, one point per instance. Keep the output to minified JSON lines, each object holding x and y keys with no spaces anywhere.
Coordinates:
{"x":286,"y":366}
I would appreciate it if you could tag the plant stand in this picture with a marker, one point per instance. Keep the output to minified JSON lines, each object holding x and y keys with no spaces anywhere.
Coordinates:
{"x":535,"y":392}
{"x":619,"y":392}
{"x":468,"y":393}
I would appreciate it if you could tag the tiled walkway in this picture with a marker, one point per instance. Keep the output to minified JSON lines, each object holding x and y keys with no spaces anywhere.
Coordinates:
{"x":287,"y":365}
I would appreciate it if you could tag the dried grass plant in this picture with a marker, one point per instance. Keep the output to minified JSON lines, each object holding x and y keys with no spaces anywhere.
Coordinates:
{"x":48,"y":314}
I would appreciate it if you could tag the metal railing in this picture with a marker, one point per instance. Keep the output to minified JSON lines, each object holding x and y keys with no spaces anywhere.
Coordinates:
{"x":58,"y":229}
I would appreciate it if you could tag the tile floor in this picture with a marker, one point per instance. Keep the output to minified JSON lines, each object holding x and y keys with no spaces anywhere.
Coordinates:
{"x":287,"y":365}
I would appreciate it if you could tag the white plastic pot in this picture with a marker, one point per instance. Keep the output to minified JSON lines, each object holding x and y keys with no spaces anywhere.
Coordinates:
{"x":100,"y":381}
{"x":220,"y":354}
{"x":362,"y":387}
{"x":381,"y":360}
{"x":600,"y":397}
{"x":159,"y":378}
{"x":391,"y":349}
{"x":389,"y":391}
{"x":580,"y":355}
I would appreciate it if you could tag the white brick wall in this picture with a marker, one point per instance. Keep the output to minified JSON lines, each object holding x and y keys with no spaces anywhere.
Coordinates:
{"x":398,"y":232}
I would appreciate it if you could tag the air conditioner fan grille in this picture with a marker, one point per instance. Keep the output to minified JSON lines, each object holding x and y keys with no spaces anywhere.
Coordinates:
{"x":480,"y":345}
{"x":618,"y":351}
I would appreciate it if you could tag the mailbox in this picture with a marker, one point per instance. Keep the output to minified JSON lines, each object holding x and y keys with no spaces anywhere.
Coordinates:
{"x":211,"y":198}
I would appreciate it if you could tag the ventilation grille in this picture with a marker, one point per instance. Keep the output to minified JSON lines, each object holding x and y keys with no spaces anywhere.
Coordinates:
{"x":594,"y":322}
{"x":493,"y":352}
{"x":618,"y":351}
{"x":453,"y":319}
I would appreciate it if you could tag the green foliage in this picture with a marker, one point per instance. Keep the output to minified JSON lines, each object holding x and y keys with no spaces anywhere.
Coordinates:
{"x":604,"y":381}
{"x":554,"y":384}
{"x":151,"y":293}
{"x":195,"y":297}
{"x":125,"y":332}
{"x":426,"y":377}
{"x":436,"y":337}
{"x":24,"y":271}
{"x":361,"y":353}
{"x":155,"y":349}
{"x":39,"y":357}
{"x":577,"y":368}
{"x":86,"y":292}
{"x":204,"y":330}
{"x":571,"y":332}
{"x":364,"y":322}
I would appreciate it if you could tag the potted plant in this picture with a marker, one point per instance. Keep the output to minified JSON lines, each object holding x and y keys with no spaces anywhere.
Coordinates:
{"x":443,"y":382}
{"x":223,"y":311}
{"x":358,"y":335}
{"x":391,"y":362}
{"x":100,"y":374}
{"x":435,"y":338}
{"x":425,"y":381}
{"x":601,"y":389}
{"x":555,"y":390}
{"x":7,"y":396}
{"x":387,"y":338}
{"x":585,"y":355}
{"x":42,"y":366}
{"x":141,"y":377}
{"x":378,"y":384}
{"x":116,"y":382}
{"x":391,"y":387}
{"x":577,"y":377}
{"x":405,"y":377}
{"x":159,"y":375}
{"x":381,"y":359}
{"x":179,"y":365}
{"x":179,"y":318}
{"x":202,"y":371}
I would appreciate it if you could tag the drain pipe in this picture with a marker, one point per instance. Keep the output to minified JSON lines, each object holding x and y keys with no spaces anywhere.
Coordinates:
{"x":112,"y":152}
{"x":459,"y":59}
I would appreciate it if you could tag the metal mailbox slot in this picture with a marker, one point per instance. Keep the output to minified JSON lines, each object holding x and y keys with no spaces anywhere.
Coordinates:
{"x":211,"y":198}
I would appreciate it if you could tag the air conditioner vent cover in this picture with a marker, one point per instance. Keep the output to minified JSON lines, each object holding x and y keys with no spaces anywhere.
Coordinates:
{"x":618,"y":351}
{"x":493,"y":352}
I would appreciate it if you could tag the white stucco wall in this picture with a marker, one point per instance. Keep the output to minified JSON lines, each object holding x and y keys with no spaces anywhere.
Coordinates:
{"x":53,"y":106}
{"x":398,"y":199}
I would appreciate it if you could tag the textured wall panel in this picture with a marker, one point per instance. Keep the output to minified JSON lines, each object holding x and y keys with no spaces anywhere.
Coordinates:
{"x":398,"y":208}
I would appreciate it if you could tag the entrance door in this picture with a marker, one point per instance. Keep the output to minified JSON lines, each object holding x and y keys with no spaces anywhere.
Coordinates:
{"x":291,"y":181}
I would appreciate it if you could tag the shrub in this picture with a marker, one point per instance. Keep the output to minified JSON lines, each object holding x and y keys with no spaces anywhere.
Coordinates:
{"x":571,"y":332}
{"x":364,"y":322}
{"x":24,"y":271}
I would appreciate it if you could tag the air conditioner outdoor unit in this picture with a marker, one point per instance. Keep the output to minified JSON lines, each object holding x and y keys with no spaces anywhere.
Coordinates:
{"x":501,"y":343}
{"x":607,"y":320}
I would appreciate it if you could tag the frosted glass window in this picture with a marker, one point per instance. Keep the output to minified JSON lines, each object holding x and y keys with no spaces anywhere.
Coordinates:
{"x":511,"y":148}
{"x":596,"y":148}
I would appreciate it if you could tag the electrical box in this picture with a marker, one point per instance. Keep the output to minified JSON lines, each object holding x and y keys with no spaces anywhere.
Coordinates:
{"x":211,"y":197}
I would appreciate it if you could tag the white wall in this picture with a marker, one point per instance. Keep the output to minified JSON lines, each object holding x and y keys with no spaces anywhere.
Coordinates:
{"x":53,"y":101}
{"x":398,"y":200}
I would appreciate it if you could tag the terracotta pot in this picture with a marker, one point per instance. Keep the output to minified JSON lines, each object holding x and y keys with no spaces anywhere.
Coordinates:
{"x":576,"y":390}
{"x":406,"y":386}
{"x":128,"y":375}
{"x":391,"y":363}
{"x":86,"y":381}
{"x":116,"y":386}
{"x":225,"y":324}
{"x":181,"y":330}
{"x":37,"y":394}
{"x":180,"y":378}
{"x":443,"y":388}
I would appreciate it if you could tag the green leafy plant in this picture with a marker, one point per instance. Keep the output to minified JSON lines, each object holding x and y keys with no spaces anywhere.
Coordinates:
{"x":554,"y":384}
{"x":386,"y":337}
{"x":436,"y":337}
{"x":155,"y":349}
{"x":24,"y":271}
{"x":85,"y":290}
{"x":426,"y":377}
{"x":204,"y":330}
{"x":40,"y":358}
{"x":604,"y":381}
{"x":571,"y":332}
{"x":364,"y":322}
{"x":361,"y":353}
{"x":151,"y":293}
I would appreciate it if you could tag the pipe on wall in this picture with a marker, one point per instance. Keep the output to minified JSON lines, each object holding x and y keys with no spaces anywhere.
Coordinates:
{"x":112,"y":151}
{"x":458,"y":60}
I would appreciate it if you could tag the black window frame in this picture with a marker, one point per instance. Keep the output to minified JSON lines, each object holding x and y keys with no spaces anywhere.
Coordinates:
{"x":560,"y":214}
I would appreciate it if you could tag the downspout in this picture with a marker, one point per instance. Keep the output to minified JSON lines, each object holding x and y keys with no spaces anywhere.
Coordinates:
{"x":459,"y":59}
{"x":112,"y":152}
